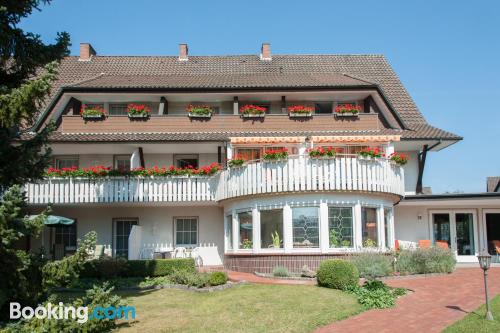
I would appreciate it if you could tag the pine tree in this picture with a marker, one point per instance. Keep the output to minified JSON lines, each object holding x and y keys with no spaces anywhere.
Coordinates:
{"x":27,"y":68}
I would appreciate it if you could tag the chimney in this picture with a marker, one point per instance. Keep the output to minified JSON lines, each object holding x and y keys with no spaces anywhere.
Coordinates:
{"x":265,"y":52}
{"x":183,"y":52}
{"x":86,"y":52}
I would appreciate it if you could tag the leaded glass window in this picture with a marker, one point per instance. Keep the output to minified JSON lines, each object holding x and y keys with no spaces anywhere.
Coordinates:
{"x":340,"y":227}
{"x":305,"y":221}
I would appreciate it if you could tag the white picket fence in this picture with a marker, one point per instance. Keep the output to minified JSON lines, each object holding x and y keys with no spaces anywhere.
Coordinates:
{"x":296,"y":174}
{"x":304,"y":174}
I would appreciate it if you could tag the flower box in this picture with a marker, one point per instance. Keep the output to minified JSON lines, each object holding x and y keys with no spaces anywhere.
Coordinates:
{"x":346,"y":115}
{"x":253,"y":111}
{"x":138,"y":115}
{"x":300,"y":114}
{"x":199,"y":115}
{"x":93,"y":116}
{"x":253,"y":115}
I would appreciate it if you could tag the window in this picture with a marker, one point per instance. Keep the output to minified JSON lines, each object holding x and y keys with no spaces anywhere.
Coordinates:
{"x":249,"y":154}
{"x":340,"y":227}
{"x":229,"y":232}
{"x":118,"y":109}
{"x":305,"y":222}
{"x":271,"y":228}
{"x":246,"y":229}
{"x":323,"y":107}
{"x":66,"y":162}
{"x":184,"y":161}
{"x":186,"y":231}
{"x":369,"y":226}
{"x":66,"y":235}
{"x":122,"y":162}
{"x":121,"y":231}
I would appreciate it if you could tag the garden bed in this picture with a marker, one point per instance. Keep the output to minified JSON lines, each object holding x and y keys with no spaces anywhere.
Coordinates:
{"x":291,"y":277}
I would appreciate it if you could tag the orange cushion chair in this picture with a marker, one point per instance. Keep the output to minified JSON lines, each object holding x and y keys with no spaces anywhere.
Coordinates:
{"x":442,"y":244}
{"x":424,"y":243}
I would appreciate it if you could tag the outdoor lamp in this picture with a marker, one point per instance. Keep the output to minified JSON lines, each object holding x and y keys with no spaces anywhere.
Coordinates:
{"x":485,"y":262}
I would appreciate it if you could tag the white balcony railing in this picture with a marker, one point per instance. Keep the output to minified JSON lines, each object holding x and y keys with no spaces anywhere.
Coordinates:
{"x":297,"y":174}
{"x":121,"y":189}
{"x":300,"y":174}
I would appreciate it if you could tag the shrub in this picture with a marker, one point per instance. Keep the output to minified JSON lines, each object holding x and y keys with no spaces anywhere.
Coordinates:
{"x":189,"y":278}
{"x":61,"y":273}
{"x":280,"y":271}
{"x":372,"y":265}
{"x":105,"y":268}
{"x":376,"y":294}
{"x":97,"y":296}
{"x":111,"y":267}
{"x":422,"y":261}
{"x":337,"y":274}
{"x":217,"y":278}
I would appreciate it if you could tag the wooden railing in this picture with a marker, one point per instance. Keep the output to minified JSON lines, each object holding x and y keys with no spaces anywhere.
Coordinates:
{"x":300,"y":174}
{"x":121,"y":189}
{"x":297,"y":174}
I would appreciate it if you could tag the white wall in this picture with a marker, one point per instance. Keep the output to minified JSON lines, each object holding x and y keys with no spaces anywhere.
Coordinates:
{"x":411,"y":172}
{"x":408,"y":227}
{"x":156,"y":222}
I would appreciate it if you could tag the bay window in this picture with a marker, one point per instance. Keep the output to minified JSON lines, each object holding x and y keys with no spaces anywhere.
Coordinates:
{"x":245,"y":226}
{"x":340,"y":227}
{"x":369,"y":227}
{"x":271,"y":228}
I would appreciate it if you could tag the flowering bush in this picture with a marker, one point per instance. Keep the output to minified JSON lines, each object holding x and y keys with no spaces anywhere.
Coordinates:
{"x":347,"y":108}
{"x":199,"y":109}
{"x":102,"y":171}
{"x":300,"y":109}
{"x":275,"y":154}
{"x":323,"y":152}
{"x":238,"y":160}
{"x":371,"y":152}
{"x":95,"y":110}
{"x":138,"y":109}
{"x":252,"y":109}
{"x":399,"y":158}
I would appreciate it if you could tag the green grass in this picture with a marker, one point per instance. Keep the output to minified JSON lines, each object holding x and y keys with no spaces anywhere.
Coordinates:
{"x":244,"y":308}
{"x":475,"y":322}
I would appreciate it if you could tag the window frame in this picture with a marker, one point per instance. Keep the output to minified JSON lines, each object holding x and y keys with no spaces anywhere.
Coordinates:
{"x":114,"y":232}
{"x":282,"y":235}
{"x":177,"y":218}
{"x":176,"y":158}
{"x":74,"y":227}
{"x":353,"y":226}
{"x":59,"y":158}
{"x":239,"y":240}
{"x":121,"y":157}
{"x":377,"y":223}
{"x":316,"y":247}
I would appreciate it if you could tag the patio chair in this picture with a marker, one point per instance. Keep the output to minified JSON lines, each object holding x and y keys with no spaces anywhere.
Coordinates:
{"x":97,"y":253}
{"x":424,"y":243}
{"x":496,"y":247}
{"x":195,"y":254}
{"x":179,"y":252}
{"x":442,"y":244}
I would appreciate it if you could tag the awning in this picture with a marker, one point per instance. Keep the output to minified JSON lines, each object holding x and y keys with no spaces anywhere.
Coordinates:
{"x":54,"y":220}
{"x":268,"y":140}
{"x":355,"y":138}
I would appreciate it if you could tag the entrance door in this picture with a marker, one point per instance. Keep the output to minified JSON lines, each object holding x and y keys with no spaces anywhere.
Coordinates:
{"x":458,"y":230}
{"x":493,"y":235}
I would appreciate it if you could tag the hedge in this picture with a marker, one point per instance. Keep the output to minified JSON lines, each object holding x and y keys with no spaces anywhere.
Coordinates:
{"x":116,"y":267}
{"x":337,"y":274}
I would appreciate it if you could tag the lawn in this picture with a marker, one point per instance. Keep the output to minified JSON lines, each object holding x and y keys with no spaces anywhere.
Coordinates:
{"x":244,"y":308}
{"x":475,"y":322}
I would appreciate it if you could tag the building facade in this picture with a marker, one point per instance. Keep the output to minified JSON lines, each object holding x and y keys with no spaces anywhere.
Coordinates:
{"x":140,"y":140}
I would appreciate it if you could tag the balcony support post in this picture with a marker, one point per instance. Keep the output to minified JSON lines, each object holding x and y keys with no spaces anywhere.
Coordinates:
{"x":421,"y":165}
{"x":324,"y":239}
{"x":163,"y":108}
{"x":283,"y":104}
{"x":256,"y":229}
{"x":236,"y":105}
{"x":287,"y":229}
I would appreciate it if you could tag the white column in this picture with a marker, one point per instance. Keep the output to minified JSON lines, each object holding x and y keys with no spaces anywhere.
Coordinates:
{"x":287,"y":229}
{"x":135,"y":159}
{"x":324,"y":239}
{"x":391,"y":229}
{"x":256,"y":230}
{"x":389,"y":149}
{"x":358,"y":238}
{"x":229,"y":151}
{"x":380,"y":227}
{"x":236,"y":232}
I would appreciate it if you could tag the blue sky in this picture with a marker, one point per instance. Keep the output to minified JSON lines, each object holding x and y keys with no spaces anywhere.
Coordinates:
{"x":445,"y":52}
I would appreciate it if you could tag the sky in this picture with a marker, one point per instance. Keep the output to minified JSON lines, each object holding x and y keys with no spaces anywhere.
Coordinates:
{"x":446,"y":53}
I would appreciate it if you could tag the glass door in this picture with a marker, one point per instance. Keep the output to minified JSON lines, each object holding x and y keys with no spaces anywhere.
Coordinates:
{"x":456,"y":230}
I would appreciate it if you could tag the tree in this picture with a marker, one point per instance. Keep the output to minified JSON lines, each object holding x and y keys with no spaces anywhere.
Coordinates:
{"x":27,"y":69}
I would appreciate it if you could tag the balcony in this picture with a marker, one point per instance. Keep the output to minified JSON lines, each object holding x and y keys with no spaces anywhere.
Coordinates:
{"x":297,"y":174}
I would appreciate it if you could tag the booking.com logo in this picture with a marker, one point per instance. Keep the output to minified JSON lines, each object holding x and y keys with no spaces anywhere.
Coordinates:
{"x":61,"y":312}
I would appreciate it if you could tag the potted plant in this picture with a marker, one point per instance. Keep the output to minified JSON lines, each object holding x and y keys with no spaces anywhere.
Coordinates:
{"x":276,"y":240}
{"x":347,"y":110}
{"x":398,"y":158}
{"x":300,"y":111}
{"x":237,"y":161}
{"x":253,"y":111}
{"x":199,"y":111}
{"x":246,"y":244}
{"x":138,"y":110}
{"x":323,"y":152}
{"x":275,"y":154}
{"x":95,"y":112}
{"x":370,"y":153}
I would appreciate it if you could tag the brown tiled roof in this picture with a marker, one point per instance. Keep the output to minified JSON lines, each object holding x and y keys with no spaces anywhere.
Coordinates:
{"x":224,"y":136}
{"x":493,"y":184}
{"x":244,"y":72}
